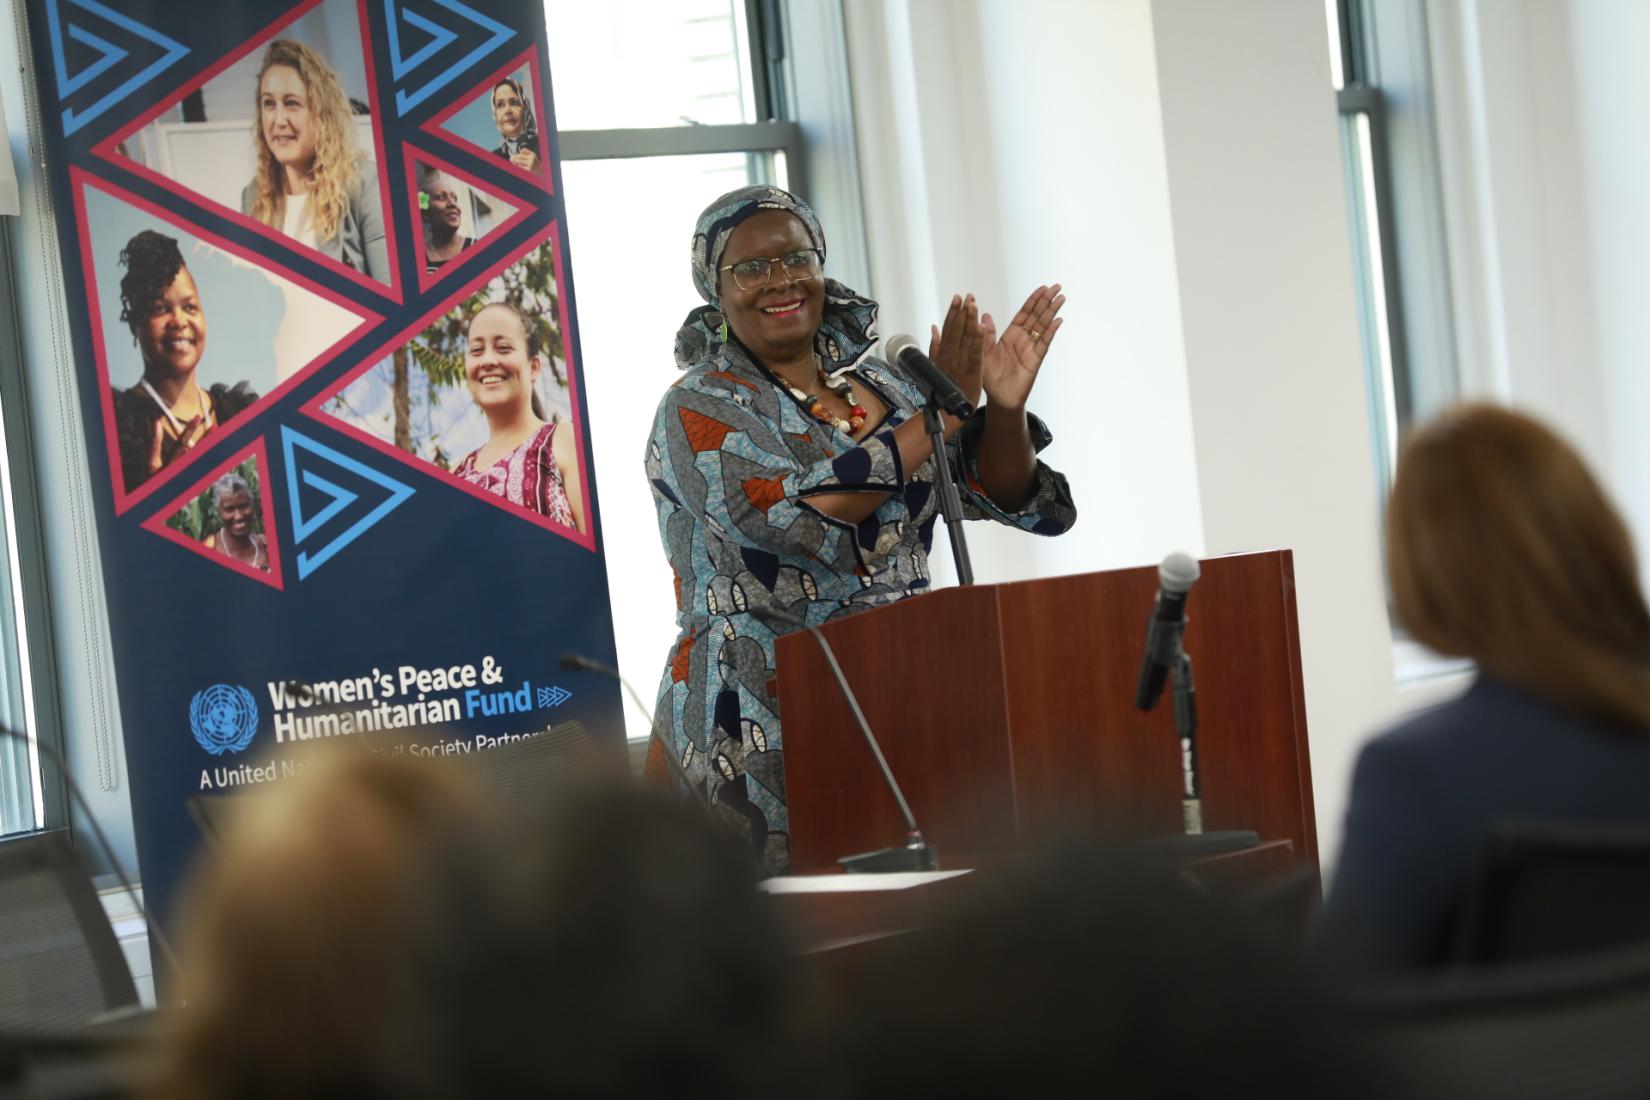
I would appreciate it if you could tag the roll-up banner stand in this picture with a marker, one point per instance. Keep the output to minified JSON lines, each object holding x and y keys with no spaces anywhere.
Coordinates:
{"x":317,"y":272}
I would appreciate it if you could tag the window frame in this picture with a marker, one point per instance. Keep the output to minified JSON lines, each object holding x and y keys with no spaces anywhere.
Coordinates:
{"x":1384,"y":61}
{"x":25,"y":605}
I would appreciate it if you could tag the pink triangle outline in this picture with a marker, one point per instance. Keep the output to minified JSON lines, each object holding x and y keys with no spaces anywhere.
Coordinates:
{"x":80,"y":179}
{"x":107,"y":150}
{"x":435,"y":124}
{"x":313,"y":408}
{"x":414,"y":153}
{"x":156,"y":524}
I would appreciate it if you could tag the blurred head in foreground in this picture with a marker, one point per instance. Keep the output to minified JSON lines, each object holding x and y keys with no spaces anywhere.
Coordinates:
{"x":1090,"y":971}
{"x":613,"y":945}
{"x":1502,"y":547}
{"x":291,"y":942}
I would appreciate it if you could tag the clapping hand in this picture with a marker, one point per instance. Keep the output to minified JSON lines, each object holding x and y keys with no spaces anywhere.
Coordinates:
{"x":956,"y":348}
{"x":1009,"y":363}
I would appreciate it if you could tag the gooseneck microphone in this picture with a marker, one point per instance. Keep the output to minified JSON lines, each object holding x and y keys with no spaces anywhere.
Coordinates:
{"x":1175,"y":578}
{"x":905,"y":351}
{"x":917,"y":854}
{"x":578,"y":662}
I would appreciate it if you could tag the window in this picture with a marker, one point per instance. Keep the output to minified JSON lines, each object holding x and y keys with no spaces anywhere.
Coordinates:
{"x":31,"y":797}
{"x":661,"y":106}
{"x":1380,"y":66}
{"x":1382,"y":76}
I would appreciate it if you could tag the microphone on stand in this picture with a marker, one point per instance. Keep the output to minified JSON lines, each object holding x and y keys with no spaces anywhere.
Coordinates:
{"x":578,"y":662}
{"x":942,"y":393}
{"x":1166,"y":659}
{"x":938,"y":385}
{"x":1175,"y":578}
{"x":103,"y":845}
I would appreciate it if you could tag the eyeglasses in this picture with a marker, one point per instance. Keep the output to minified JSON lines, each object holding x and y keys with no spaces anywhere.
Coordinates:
{"x":754,"y":274}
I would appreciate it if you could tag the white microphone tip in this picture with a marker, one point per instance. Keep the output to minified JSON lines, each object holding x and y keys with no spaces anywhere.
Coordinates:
{"x":1178,"y":571}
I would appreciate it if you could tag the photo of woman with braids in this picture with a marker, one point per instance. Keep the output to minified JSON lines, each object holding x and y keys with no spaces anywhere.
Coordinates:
{"x":310,"y":181}
{"x":527,"y":460}
{"x":168,"y":413}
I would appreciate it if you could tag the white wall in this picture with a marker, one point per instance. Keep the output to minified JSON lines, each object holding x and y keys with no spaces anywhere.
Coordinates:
{"x":1607,"y":43}
{"x":1543,"y":106}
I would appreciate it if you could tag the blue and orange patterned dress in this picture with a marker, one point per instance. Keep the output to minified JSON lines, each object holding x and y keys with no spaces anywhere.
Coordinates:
{"x":733,"y":458}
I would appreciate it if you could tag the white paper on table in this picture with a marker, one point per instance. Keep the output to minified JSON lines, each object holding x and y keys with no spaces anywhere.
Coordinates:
{"x":849,"y":884}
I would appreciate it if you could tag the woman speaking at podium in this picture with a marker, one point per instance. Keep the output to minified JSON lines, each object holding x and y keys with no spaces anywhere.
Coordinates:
{"x":794,"y":480}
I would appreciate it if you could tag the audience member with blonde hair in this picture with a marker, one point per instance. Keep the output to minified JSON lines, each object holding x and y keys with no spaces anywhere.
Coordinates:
{"x":311,"y":181}
{"x":1503,"y":548}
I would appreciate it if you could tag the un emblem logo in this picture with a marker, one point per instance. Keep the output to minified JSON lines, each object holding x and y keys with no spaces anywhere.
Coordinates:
{"x":224,"y":717}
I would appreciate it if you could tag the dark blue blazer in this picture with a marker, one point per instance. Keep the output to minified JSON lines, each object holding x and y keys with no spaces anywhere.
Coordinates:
{"x":1424,"y":793}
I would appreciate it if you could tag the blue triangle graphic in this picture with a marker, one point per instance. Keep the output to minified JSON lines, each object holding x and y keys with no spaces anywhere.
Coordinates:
{"x":498,"y":35}
{"x":111,"y":55}
{"x":440,"y":37}
{"x":339,"y":498}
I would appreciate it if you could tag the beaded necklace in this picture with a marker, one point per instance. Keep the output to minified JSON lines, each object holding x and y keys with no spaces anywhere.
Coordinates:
{"x":843,"y":389}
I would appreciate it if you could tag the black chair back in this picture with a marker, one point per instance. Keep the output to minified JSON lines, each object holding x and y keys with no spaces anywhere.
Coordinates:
{"x":60,"y":963}
{"x":1553,"y":889}
{"x":1572,"y":1027}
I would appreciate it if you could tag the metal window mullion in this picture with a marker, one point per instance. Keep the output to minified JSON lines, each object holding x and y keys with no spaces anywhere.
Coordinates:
{"x":678,"y":141}
{"x":768,"y":53}
{"x":757,"y":51}
{"x":1354,"y":100}
{"x":1348,"y":32}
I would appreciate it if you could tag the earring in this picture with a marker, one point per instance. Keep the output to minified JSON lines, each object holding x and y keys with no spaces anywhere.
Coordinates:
{"x":724,"y":330}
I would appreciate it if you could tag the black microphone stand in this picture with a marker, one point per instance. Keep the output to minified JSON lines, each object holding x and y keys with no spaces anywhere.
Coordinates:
{"x":950,"y":502}
{"x":1185,"y":724}
{"x":1191,"y":840}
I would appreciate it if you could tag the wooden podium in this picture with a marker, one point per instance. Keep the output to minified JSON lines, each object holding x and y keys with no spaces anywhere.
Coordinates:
{"x":1007,"y":714}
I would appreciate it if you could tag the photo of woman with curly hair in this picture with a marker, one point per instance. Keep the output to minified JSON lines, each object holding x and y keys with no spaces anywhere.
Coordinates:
{"x":311,"y":182}
{"x":168,"y":413}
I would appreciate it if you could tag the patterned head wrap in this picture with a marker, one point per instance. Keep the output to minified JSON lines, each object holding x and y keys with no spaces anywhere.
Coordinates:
{"x":847,"y":327}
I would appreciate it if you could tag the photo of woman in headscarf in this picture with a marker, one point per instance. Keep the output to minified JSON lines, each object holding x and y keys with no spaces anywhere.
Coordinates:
{"x":167,"y":414}
{"x":311,"y":182}
{"x":238,"y":537}
{"x":513,"y":117}
{"x":528,"y":461}
{"x":441,"y":207}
